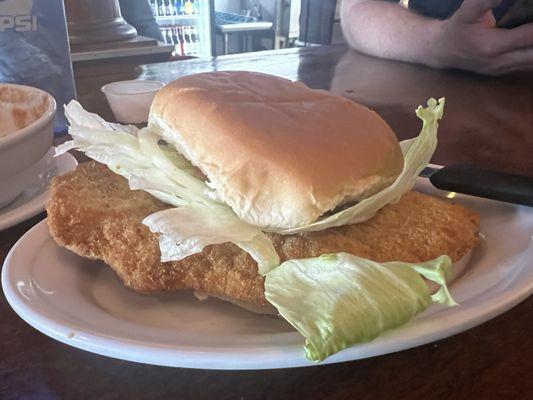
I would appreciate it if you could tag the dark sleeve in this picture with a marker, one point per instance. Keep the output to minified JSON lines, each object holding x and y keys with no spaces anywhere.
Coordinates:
{"x":316,"y":21}
{"x":440,"y":9}
{"x":139,"y":14}
{"x":316,"y":17}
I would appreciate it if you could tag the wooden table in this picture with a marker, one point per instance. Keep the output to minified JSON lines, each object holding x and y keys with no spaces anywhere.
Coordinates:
{"x":97,"y":64}
{"x":489,"y":122}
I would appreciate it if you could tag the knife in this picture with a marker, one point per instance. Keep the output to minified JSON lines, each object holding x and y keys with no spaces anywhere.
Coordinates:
{"x":474,"y":181}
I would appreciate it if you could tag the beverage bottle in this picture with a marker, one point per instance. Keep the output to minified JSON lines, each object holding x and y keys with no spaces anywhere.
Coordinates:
{"x":196,"y":7}
{"x":177,"y":7}
{"x":189,"y":10}
{"x":198,"y":42}
{"x":174,"y":35}
{"x":153,"y":5}
{"x":168,"y":36}
{"x":187,"y":38}
{"x":160,"y":11}
{"x":179,"y":45}
{"x":182,"y":41}
{"x":193,"y":34}
{"x":194,"y":43}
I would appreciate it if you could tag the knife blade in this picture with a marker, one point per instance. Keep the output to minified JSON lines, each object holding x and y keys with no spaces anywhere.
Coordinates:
{"x":475,"y":181}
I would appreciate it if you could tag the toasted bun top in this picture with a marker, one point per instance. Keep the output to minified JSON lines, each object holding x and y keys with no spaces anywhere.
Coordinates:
{"x":277,"y":152}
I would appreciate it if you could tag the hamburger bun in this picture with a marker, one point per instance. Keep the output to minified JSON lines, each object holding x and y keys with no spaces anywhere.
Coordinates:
{"x":278,"y":153}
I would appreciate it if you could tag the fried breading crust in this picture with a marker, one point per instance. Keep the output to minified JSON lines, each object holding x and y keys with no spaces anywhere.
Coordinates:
{"x":93,"y":213}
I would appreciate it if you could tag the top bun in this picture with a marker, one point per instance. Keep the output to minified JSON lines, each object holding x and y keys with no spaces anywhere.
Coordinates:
{"x":278,"y":153}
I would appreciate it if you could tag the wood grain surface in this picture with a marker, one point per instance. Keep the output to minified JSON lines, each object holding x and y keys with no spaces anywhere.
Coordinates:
{"x":488,"y":122}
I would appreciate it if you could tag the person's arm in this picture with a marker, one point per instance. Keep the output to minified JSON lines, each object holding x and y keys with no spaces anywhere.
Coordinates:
{"x":469,"y":39}
{"x":139,"y":14}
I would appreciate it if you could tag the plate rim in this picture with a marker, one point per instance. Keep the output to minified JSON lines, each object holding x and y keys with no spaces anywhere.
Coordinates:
{"x":135,"y":351}
{"x":65,"y":163}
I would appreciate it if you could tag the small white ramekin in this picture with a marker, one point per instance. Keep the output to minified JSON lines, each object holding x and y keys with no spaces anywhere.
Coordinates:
{"x":130,"y":101}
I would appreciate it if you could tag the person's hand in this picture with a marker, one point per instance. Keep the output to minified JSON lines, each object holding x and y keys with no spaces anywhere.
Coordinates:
{"x":470,"y":40}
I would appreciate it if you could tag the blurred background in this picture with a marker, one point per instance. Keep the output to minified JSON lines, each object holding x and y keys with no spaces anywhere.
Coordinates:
{"x":238,"y":26}
{"x":71,"y":48}
{"x":109,"y":39}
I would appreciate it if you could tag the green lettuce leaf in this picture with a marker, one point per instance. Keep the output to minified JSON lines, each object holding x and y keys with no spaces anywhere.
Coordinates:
{"x":187,"y":230}
{"x":337,"y":300}
{"x":158,"y":168}
{"x":138,"y":155}
{"x":417,"y":154}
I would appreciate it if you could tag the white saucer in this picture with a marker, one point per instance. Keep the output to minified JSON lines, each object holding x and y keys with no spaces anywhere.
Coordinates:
{"x":33,"y":200}
{"x":82,"y":303}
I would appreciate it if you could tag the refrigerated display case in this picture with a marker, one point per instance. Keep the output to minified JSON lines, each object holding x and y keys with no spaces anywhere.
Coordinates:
{"x":186,"y":24}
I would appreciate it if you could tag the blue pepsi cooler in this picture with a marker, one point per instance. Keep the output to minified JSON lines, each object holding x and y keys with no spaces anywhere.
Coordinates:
{"x":34,"y":50}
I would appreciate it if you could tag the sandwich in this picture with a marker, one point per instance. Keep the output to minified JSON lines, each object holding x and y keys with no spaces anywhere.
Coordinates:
{"x":278,"y":198}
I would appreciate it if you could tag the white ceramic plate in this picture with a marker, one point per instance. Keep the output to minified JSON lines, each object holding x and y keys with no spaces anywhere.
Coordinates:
{"x":33,"y":200}
{"x":83,"y":304}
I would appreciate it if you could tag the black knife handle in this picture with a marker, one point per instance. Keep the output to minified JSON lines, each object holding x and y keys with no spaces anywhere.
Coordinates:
{"x":479,"y":182}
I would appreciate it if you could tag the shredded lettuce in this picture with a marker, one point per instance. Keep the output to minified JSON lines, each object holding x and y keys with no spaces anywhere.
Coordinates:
{"x":187,"y":230}
{"x":337,"y":300}
{"x":195,"y":189}
{"x":159,"y":169}
{"x":334,"y":300}
{"x":417,"y":154}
